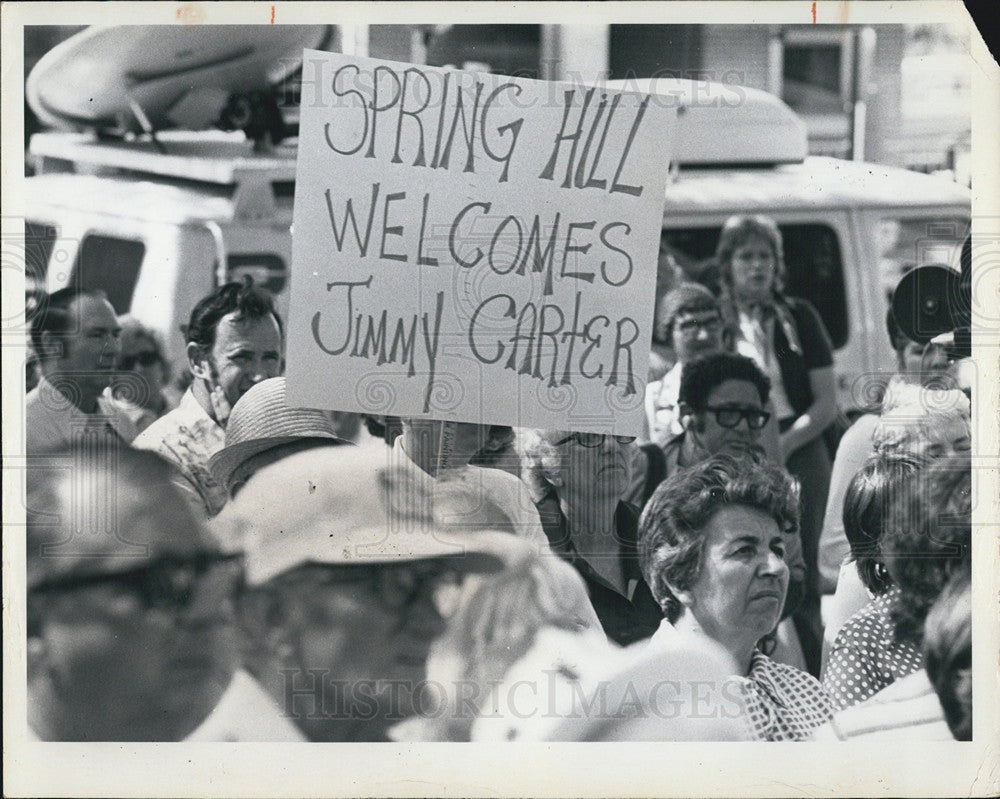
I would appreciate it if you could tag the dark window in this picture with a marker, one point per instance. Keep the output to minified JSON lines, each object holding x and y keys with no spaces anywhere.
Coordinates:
{"x":812,"y":261}
{"x":501,"y":49}
{"x":267,"y":270}
{"x":812,"y":78}
{"x":111,"y":265}
{"x":39,"y":241}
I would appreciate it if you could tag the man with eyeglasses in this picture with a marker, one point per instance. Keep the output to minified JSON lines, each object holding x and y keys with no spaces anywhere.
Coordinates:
{"x":131,"y":607}
{"x":75,"y":335}
{"x":350,"y":569}
{"x":721,"y":403}
{"x":689,"y":322}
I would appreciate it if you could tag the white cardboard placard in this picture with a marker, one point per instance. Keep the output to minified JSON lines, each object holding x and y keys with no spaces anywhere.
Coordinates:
{"x":474,"y":247}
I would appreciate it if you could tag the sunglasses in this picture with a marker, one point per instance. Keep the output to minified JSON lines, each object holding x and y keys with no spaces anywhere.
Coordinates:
{"x":167,"y":584}
{"x":147,"y":358}
{"x":731,"y":417}
{"x":397,"y":586}
{"x":591,"y":440}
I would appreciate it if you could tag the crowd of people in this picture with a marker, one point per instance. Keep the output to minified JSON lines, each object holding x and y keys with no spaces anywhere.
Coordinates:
{"x":207,"y":562}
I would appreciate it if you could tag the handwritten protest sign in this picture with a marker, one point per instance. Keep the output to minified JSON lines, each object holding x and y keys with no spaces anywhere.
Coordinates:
{"x":474,"y":247}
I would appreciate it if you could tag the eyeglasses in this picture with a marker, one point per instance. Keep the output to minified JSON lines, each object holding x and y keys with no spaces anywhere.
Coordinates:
{"x":729,"y":417}
{"x":691,"y":327}
{"x":591,"y":440}
{"x":400,"y":586}
{"x":167,"y":584}
{"x":146,"y":358}
{"x":397,"y":585}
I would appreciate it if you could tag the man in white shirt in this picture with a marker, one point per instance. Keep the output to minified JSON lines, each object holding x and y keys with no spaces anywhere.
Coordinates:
{"x":76,"y":337}
{"x":235,"y":340}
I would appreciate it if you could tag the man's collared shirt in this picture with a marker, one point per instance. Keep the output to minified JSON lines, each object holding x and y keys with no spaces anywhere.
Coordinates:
{"x":188,"y":437}
{"x":662,"y":412}
{"x":52,"y":422}
{"x":246,"y":712}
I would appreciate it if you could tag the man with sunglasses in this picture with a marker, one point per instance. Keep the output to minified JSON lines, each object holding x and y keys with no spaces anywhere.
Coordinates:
{"x":721,"y":403}
{"x":131,"y":607}
{"x":351,"y":563}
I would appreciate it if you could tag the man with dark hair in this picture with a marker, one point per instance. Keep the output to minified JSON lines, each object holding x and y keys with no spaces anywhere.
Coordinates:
{"x":235,"y":340}
{"x":721,"y":404}
{"x":131,"y":632}
{"x":76,"y":338}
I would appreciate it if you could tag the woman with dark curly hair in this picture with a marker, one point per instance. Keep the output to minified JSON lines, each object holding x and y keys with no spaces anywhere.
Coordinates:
{"x":712,"y":548}
{"x":865,"y":656}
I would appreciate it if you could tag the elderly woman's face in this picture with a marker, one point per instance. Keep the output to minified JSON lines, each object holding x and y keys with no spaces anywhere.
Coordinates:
{"x":753,"y":268}
{"x":740,"y":590}
{"x":945,"y":439}
{"x":592,"y":466}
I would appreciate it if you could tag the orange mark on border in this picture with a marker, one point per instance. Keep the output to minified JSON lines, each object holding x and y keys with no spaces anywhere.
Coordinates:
{"x":272,"y":15}
{"x":814,"y":12}
{"x":191,"y":14}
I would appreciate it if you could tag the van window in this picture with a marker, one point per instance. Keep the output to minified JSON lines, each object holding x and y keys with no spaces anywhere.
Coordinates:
{"x":111,"y":265}
{"x":812,"y":258}
{"x":39,"y":241}
{"x":908,"y":242}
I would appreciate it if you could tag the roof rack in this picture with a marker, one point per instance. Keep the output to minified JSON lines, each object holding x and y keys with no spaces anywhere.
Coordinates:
{"x":209,"y":156}
{"x":216,"y":158}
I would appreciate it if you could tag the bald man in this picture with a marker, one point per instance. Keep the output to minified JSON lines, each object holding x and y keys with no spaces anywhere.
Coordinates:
{"x":131,"y":606}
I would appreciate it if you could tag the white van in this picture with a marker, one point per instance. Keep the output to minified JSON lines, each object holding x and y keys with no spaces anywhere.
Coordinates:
{"x":850,"y":229}
{"x":158,"y":231}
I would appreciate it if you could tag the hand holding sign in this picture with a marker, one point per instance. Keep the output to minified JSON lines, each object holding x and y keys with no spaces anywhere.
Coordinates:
{"x":471,"y":244}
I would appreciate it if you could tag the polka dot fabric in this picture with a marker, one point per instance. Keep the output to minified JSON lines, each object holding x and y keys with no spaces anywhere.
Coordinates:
{"x":782,"y":702}
{"x":865,"y":659}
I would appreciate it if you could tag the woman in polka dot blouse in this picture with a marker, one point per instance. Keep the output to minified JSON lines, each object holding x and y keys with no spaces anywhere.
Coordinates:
{"x":881,"y":643}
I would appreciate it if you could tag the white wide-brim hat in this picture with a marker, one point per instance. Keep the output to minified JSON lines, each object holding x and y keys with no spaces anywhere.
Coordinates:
{"x":359,"y":505}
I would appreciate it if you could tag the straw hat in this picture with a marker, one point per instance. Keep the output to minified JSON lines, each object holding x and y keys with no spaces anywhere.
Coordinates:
{"x":261,"y":421}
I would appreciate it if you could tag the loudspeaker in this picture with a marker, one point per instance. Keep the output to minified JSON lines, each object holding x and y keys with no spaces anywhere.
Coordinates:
{"x":927,"y":302}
